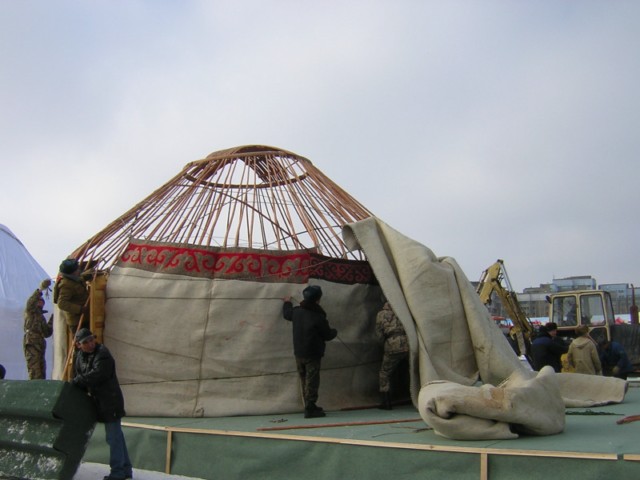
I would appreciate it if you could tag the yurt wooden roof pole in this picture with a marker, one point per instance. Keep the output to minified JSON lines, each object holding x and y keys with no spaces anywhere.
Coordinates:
{"x":315,"y":225}
{"x":224,"y":194}
{"x":342,"y":199}
{"x":275,"y":178}
{"x":206,"y":227}
{"x":278,"y":205}
{"x":339,"y":201}
{"x":277,"y":181}
{"x":102,"y":239}
{"x":259,"y":204}
{"x":278,"y":223}
{"x":148,"y":215}
{"x":282,"y":203}
{"x":231,"y":213}
{"x":201,"y":212}
{"x":297,"y":202}
{"x":206,"y":233}
{"x":248,"y":222}
{"x":179,"y":213}
{"x":216,"y":210}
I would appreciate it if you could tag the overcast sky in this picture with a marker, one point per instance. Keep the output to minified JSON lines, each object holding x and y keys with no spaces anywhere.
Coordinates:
{"x":484,"y":130}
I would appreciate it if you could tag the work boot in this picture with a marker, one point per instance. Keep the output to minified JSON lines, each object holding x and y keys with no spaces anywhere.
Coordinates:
{"x":385,"y":404}
{"x":313,"y":411}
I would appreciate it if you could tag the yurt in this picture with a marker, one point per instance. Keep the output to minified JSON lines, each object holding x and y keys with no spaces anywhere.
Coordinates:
{"x":189,"y":285}
{"x":187,"y":292}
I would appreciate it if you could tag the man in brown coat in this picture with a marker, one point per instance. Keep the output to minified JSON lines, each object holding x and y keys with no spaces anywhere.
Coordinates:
{"x":70,"y":293}
{"x":583,"y":353}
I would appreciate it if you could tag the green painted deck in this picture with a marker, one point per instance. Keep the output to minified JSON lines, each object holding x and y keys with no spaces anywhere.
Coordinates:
{"x":372,"y":444}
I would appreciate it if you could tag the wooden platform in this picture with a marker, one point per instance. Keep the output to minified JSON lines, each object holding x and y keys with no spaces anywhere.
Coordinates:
{"x":372,"y":443}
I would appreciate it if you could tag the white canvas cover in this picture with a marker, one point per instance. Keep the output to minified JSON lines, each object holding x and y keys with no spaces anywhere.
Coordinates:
{"x":454,"y":344}
{"x":20,"y":276}
{"x":199,"y":331}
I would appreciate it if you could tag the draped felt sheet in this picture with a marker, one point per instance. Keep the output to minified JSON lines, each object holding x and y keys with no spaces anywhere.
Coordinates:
{"x":455,"y":346}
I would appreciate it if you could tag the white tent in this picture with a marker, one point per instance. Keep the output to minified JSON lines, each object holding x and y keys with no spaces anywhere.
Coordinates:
{"x":20,"y":276}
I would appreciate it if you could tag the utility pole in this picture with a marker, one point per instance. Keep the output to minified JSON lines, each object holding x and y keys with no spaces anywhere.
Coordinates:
{"x":633,"y":309}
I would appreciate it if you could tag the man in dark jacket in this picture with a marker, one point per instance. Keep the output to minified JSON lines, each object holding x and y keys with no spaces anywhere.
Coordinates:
{"x":546,"y":349}
{"x":96,"y":373}
{"x":615,"y":360}
{"x":310,"y":332}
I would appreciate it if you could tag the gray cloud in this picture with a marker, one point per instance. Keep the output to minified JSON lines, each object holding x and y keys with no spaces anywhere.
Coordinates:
{"x":484,"y":130}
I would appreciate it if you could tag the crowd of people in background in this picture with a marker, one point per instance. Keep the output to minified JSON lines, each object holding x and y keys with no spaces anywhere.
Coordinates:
{"x":584,"y":354}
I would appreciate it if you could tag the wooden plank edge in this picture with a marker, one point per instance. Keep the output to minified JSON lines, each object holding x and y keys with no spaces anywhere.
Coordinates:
{"x":376,"y":443}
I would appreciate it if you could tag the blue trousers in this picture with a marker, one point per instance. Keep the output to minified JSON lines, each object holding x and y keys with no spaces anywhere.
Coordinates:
{"x":118,"y":456}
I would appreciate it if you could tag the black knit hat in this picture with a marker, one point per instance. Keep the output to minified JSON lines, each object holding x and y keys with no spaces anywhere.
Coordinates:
{"x":312,"y":293}
{"x":69,"y":266}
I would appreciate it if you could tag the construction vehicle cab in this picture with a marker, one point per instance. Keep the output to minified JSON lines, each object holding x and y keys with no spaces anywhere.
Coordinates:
{"x":593,"y":308}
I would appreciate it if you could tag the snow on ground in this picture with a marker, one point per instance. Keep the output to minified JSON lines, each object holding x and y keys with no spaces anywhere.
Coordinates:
{"x":96,"y":471}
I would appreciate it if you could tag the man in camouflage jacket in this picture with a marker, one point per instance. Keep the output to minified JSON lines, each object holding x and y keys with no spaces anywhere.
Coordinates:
{"x":36,"y":329}
{"x":396,"y":349}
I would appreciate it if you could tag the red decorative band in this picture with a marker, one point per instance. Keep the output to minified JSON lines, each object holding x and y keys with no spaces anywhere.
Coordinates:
{"x":244,"y":264}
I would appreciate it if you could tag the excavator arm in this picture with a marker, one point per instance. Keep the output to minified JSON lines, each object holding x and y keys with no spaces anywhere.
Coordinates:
{"x":495,"y":279}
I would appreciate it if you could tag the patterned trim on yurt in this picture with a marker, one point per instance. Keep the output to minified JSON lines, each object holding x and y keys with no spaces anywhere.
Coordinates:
{"x":293,"y":266}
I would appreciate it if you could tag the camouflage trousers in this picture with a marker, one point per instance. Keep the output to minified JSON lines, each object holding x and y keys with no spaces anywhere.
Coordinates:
{"x":36,"y":365}
{"x":390,"y":362}
{"x":309,"y":372}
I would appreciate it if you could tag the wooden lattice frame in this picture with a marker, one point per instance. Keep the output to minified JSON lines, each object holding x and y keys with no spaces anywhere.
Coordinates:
{"x":252,"y":196}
